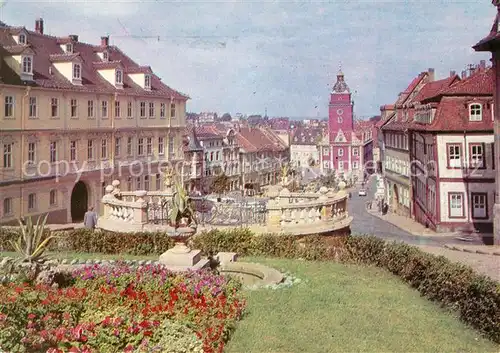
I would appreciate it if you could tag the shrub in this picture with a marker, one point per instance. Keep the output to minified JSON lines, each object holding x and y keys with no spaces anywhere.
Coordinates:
{"x":476,"y":298}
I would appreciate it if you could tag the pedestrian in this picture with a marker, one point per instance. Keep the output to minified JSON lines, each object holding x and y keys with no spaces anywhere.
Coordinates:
{"x":90,"y":219}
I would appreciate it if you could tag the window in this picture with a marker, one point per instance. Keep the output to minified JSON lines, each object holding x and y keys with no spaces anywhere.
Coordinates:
{"x":456,"y":204}
{"x":129,"y":109}
{"x":341,"y":152}
{"x":104,"y":148}
{"x":326,"y":151}
{"x":340,"y":120}
{"x":158,"y":181}
{"x":117,"y":109}
{"x":454,"y":156}
{"x":217,"y":156}
{"x":119,"y":77}
{"x":77,"y":72}
{"x":143,"y":109}
{"x":138,"y":183}
{"x":151,"y":110}
{"x":22,"y":39}
{"x":341,"y":165}
{"x":118,"y":144}
{"x":140,"y":147}
{"x":53,"y":198}
{"x":9,"y":106}
{"x":161,"y":145}
{"x":147,"y":81}
{"x":54,"y":107}
{"x":7,"y":155}
{"x":325,"y":165}
{"x":90,"y":109}
{"x":162,"y":110}
{"x":73,"y":108}
{"x":31,"y":153}
{"x":355,"y":151}
{"x":171,"y":152}
{"x":53,"y":152}
{"x":90,"y":149}
{"x":172,"y":110}
{"x":355,"y":165}
{"x":27,"y":65}
{"x":72,"y":150}
{"x":103,"y":188}
{"x":31,"y":202}
{"x":479,"y":205}
{"x":69,"y":48}
{"x":7,"y":206}
{"x":146,"y":182}
{"x":476,"y":155}
{"x":149,"y":146}
{"x":475,"y":112}
{"x":104,"y":109}
{"x":105,"y":56}
{"x":129,"y":183}
{"x":211,"y":156}
{"x":129,"y":146}
{"x":33,"y":111}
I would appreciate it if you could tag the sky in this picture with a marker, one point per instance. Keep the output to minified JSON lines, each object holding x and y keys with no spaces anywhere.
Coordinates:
{"x":283,"y":56}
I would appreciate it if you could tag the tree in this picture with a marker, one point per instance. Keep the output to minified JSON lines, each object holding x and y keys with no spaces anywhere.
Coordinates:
{"x":220,"y":184}
{"x":226,"y":117}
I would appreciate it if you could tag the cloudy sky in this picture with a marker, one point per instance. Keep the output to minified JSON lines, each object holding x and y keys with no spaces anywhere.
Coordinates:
{"x":246,"y":56}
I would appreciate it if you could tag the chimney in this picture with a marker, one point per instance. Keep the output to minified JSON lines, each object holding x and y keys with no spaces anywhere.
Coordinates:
{"x":482,"y":64}
{"x":464,"y":74}
{"x":105,"y":41}
{"x":39,"y":25}
{"x":452,"y":73}
{"x":430,"y":71}
{"x":73,"y":37}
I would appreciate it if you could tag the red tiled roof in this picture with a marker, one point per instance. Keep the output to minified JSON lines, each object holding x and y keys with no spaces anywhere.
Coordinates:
{"x":63,"y":57}
{"x":102,"y":65}
{"x":452,"y":114}
{"x":256,"y":140}
{"x":16,"y":49}
{"x":139,"y":70}
{"x":44,"y":46}
{"x":480,"y":83}
{"x":434,"y":88}
{"x":306,"y":136}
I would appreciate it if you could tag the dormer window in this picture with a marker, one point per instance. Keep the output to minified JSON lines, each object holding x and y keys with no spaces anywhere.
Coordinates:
{"x":119,"y":77}
{"x":22,"y":39}
{"x":27,"y":65}
{"x":69,"y":48}
{"x":77,"y":72}
{"x":475,"y":112}
{"x":147,"y":81}
{"x":105,"y":56}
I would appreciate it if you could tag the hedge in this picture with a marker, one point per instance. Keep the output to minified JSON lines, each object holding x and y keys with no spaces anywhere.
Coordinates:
{"x":475,"y":297}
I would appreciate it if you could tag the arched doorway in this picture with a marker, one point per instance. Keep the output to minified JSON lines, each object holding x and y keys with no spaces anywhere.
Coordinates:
{"x":79,"y":201}
{"x":395,"y":198}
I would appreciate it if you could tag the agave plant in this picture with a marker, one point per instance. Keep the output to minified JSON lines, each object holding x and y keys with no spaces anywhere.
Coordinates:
{"x":181,"y":212}
{"x":31,"y":243}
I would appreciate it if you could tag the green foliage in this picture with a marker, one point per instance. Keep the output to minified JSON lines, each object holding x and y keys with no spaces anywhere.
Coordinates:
{"x":475,"y":297}
{"x":31,"y":242}
{"x":220,"y":184}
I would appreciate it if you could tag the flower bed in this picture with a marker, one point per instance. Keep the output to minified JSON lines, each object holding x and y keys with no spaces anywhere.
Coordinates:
{"x":121,"y":309}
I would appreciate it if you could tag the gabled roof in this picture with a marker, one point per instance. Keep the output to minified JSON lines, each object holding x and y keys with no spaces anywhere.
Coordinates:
{"x":306,"y":136}
{"x":434,"y":88}
{"x":46,"y":47}
{"x":480,"y":83}
{"x":256,"y":140}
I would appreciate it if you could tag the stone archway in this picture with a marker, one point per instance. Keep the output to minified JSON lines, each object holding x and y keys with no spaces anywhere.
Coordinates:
{"x":79,"y":201}
{"x":395,"y":198}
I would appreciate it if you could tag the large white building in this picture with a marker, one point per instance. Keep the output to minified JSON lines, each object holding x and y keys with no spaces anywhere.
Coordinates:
{"x":304,"y":147}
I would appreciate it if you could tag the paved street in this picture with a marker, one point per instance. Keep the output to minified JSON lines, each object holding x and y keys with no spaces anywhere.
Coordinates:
{"x":365,"y":223}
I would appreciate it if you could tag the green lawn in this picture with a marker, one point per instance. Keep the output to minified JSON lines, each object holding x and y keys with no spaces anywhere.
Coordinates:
{"x":348,"y":309}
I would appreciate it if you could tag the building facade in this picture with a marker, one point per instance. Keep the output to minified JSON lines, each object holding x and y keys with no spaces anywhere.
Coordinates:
{"x":76,"y":116}
{"x":491,"y":43}
{"x":341,"y":151}
{"x":304,"y":147}
{"x":452,"y":149}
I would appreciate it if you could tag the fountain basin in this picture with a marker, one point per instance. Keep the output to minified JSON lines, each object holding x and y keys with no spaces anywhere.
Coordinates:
{"x":252,"y":274}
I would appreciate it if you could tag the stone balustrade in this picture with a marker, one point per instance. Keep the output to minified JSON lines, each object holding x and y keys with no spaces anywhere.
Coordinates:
{"x":323,"y":212}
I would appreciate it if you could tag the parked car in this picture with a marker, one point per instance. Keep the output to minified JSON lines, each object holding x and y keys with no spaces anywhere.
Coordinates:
{"x":362,"y":192}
